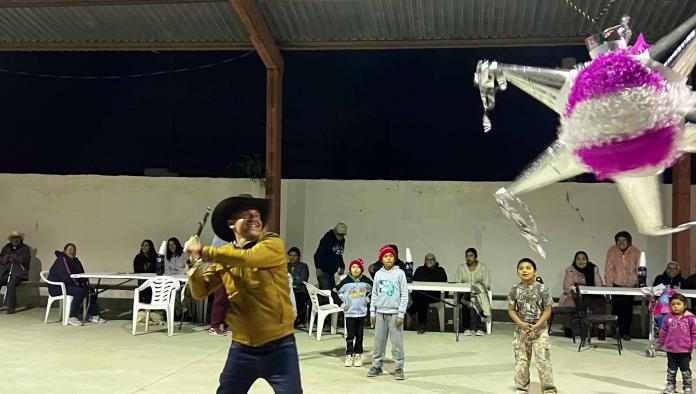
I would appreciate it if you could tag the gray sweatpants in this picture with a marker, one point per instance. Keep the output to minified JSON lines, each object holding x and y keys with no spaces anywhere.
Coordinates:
{"x":385,"y":326}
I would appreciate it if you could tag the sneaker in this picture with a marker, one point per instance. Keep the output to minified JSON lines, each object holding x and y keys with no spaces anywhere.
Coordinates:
{"x":357,"y":360}
{"x":626,"y":337}
{"x":97,"y":320}
{"x":349,"y":360}
{"x":73,"y":321}
{"x":216,"y":332}
{"x":468,"y":333}
{"x":374,"y":371}
{"x":399,"y":374}
{"x":480,"y":333}
{"x":669,"y":389}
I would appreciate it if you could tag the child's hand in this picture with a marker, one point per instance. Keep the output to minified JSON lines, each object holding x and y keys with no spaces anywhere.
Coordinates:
{"x":399,"y":321}
{"x":372,"y":321}
{"x":345,"y":306}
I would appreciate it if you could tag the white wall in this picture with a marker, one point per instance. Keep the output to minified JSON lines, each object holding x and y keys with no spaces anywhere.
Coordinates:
{"x":108,"y":217}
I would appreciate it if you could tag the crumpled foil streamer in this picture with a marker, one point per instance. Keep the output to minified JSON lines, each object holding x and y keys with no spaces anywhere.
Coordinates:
{"x":514,"y":209}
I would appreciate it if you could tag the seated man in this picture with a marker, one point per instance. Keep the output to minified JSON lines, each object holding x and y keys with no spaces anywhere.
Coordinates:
{"x":14,"y":267}
{"x":671,"y":277}
{"x":430,"y":271}
{"x":65,"y":265}
{"x":300,"y":273}
{"x":376,"y":266}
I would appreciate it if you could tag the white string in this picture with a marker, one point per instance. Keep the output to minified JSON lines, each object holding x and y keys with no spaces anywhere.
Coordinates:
{"x":138,"y":75}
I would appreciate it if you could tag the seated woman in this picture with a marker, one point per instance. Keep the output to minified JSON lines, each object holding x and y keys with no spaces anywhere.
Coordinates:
{"x":175,"y":264}
{"x":145,"y":261}
{"x":65,"y":265}
{"x":475,"y":273}
{"x":175,"y":261}
{"x":430,"y":271}
{"x":300,"y":273}
{"x":671,"y":277}
{"x":583,"y":272}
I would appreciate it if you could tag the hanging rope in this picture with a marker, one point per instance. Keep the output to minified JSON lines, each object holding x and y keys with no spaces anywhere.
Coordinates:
{"x":587,"y":16}
{"x":138,"y":75}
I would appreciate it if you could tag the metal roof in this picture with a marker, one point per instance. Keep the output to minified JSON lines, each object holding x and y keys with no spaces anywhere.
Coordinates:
{"x":319,"y":24}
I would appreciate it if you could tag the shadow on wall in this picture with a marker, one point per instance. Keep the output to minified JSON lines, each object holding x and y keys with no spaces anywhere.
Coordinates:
{"x":30,"y":295}
{"x":35,"y":265}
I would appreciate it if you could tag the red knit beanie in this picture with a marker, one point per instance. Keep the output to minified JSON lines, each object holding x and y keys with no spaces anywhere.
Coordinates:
{"x":359,"y":262}
{"x":386,"y":249}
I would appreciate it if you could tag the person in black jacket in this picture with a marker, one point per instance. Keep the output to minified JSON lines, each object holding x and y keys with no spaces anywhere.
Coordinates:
{"x":145,"y":261}
{"x":300,"y":274}
{"x":430,"y":271}
{"x":328,"y":259}
{"x":65,"y":265}
{"x":377,"y":265}
{"x":671,"y":277}
{"x":14,"y":267}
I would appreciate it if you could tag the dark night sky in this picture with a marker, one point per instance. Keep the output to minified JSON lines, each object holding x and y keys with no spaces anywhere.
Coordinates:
{"x":395,"y":114}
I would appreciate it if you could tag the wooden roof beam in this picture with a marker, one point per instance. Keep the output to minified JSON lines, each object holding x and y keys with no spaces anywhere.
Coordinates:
{"x":259,"y":33}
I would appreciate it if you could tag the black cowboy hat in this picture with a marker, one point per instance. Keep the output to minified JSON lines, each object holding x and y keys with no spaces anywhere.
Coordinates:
{"x":227,"y":208}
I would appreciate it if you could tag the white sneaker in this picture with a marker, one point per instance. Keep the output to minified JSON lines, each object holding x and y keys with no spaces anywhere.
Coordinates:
{"x":349,"y":361}
{"x":357,"y":360}
{"x":468,"y":333}
{"x":480,"y":333}
{"x":97,"y":320}
{"x":73,"y":321}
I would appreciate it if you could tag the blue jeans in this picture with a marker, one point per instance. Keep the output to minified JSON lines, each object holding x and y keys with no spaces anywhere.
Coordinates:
{"x":275,"y":361}
{"x":78,"y":294}
{"x":327,"y":281}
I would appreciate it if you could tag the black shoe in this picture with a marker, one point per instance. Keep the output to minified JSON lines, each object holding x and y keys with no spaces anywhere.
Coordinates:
{"x":568,"y":332}
{"x":421,"y":331}
{"x":626,"y":337}
{"x":10,"y":312}
{"x":601,"y":335}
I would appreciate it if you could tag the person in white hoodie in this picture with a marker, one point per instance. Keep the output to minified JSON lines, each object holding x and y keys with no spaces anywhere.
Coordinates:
{"x":387,"y":310}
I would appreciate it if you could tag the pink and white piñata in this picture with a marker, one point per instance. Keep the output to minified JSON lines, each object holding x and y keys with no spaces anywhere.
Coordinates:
{"x":622,"y":117}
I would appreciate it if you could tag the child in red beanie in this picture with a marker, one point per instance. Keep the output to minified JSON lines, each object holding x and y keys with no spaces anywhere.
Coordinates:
{"x":353,"y":295}
{"x":387,"y":309}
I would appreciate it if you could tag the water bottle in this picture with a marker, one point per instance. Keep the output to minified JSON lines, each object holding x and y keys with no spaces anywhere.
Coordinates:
{"x":642,"y":270}
{"x":642,"y":276}
{"x":159,"y":267}
{"x":409,"y":266}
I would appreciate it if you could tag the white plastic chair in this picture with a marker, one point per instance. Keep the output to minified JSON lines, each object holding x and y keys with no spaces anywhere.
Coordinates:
{"x":322,"y":311}
{"x":64,"y":299}
{"x":163,"y":298}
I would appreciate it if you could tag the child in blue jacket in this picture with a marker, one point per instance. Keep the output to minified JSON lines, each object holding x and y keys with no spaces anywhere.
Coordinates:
{"x":353,"y":294}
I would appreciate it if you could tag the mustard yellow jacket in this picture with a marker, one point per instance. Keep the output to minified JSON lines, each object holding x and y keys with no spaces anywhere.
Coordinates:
{"x":256,"y":280}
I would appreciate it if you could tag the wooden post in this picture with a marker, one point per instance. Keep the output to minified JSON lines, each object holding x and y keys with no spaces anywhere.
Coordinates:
{"x":274,"y":144}
{"x":681,"y":213}
{"x":260,"y":35}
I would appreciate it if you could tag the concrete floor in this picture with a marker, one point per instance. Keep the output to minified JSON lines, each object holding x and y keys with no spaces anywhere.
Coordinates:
{"x":38,"y":358}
